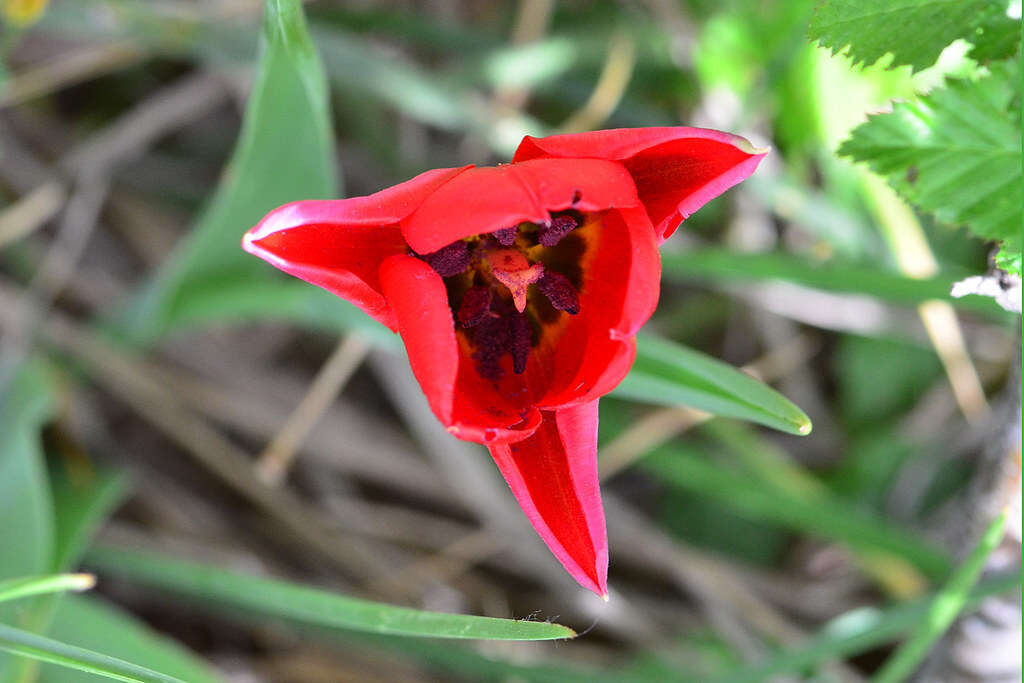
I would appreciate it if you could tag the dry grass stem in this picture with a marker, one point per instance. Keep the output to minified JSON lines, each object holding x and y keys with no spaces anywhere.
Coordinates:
{"x":610,"y":88}
{"x":273,"y":463}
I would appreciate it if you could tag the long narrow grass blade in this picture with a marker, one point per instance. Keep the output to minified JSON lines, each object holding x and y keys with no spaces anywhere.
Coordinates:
{"x":45,"y":650}
{"x":667,"y":373}
{"x":308,"y":606}
{"x":943,"y":609}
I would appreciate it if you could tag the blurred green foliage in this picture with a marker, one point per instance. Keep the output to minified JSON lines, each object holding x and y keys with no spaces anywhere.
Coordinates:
{"x":951,"y":147}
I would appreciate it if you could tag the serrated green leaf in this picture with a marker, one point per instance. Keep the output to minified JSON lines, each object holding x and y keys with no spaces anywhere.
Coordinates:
{"x":305,"y":605}
{"x":954,"y":152}
{"x":997,"y":36}
{"x":914,"y":31}
{"x":284,"y":153}
{"x":1009,"y":260}
{"x":666,"y":373}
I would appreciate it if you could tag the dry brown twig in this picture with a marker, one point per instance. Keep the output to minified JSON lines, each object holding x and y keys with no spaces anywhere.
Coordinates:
{"x":273,"y":463}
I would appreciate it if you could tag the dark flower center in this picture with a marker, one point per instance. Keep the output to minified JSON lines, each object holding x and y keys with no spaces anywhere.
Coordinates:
{"x":491,"y":279}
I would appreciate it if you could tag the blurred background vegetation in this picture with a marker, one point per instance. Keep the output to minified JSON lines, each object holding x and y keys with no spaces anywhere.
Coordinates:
{"x":171,"y":410}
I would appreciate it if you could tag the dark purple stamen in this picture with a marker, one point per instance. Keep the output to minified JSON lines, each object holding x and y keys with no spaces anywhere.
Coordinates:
{"x":560,"y":292}
{"x":476,"y":303}
{"x":449,"y":260}
{"x":552,"y":233}
{"x":519,"y":345}
{"x":491,"y":336}
{"x":506,"y":236}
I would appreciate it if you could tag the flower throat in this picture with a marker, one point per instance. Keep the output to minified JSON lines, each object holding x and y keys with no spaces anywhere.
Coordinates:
{"x":506,"y":286}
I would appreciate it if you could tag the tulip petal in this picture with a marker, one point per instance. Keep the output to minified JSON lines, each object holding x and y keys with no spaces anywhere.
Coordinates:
{"x":340,"y":244}
{"x":676,"y":170}
{"x":619,"y":294}
{"x":553,"y":475}
{"x":419,"y":302}
{"x":484,"y":200}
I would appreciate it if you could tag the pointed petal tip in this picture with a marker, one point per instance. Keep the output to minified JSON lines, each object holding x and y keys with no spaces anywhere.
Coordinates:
{"x":604,"y":596}
{"x":747,"y":147}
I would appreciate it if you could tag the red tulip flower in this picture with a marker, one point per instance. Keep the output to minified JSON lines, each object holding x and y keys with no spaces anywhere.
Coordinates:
{"x":518,"y":291}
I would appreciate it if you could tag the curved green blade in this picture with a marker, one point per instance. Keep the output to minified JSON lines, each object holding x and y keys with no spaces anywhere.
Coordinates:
{"x":309,"y":606}
{"x":666,"y":373}
{"x":90,"y":622}
{"x":45,"y":650}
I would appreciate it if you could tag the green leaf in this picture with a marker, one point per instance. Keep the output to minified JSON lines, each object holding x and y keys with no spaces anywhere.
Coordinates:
{"x":26,"y":506}
{"x":835,"y":275}
{"x":80,"y":505}
{"x":666,"y":373}
{"x":954,"y":152}
{"x":943,"y":609}
{"x":284,"y":153}
{"x":818,"y":513}
{"x":1009,"y":260}
{"x":46,"y":650}
{"x":863,"y":400}
{"x":50,"y":520}
{"x":88,"y":622}
{"x":914,"y":31}
{"x":308,"y":606}
{"x":12,"y":589}
{"x":858,"y":631}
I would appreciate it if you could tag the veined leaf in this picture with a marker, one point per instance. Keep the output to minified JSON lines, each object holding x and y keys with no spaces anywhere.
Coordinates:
{"x":46,"y":650}
{"x":914,"y":31}
{"x":666,"y":373}
{"x":955,"y":152}
{"x":284,"y":153}
{"x":308,"y":606}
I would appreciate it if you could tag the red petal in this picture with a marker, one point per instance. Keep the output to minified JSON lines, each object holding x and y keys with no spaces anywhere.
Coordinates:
{"x":553,"y":475}
{"x":419,"y":302}
{"x":456,"y":392}
{"x":340,"y":244}
{"x":619,"y":294}
{"x":483,"y":200}
{"x":676,"y":170}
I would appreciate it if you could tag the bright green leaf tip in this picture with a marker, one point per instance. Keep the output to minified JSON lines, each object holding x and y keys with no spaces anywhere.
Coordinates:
{"x":308,"y":606}
{"x":666,"y":373}
{"x":12,"y":589}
